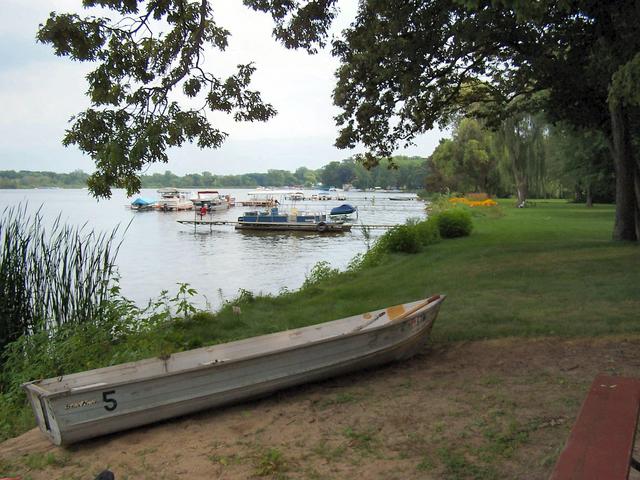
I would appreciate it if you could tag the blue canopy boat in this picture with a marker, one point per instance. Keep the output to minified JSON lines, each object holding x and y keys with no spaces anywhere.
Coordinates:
{"x":273,"y":219}
{"x":344,"y":209}
{"x":142,"y":204}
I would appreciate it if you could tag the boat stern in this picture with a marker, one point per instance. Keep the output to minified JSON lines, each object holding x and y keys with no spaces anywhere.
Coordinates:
{"x":43,"y":411}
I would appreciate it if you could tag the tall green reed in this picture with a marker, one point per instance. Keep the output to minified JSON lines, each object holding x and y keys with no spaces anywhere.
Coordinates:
{"x":52,"y":276}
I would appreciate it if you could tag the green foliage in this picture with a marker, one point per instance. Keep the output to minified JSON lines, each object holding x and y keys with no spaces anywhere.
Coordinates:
{"x":579,"y":163}
{"x":624,"y":85}
{"x":399,"y":172}
{"x":51,"y":278}
{"x":466,"y":162}
{"x":575,"y":61}
{"x":132,"y":120}
{"x":35,"y":179}
{"x":409,"y":173}
{"x":271,"y":463}
{"x":521,"y":139}
{"x":409,"y":238}
{"x":428,"y":231}
{"x":320,"y":272}
{"x":454,"y":222}
{"x":181,"y":300}
{"x":402,"y":239}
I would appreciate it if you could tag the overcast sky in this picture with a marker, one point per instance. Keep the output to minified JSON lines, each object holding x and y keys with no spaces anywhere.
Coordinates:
{"x":40,"y":92}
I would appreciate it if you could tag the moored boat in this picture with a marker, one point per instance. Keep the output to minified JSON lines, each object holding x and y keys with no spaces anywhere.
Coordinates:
{"x":261,"y":198}
{"x":404,"y":198}
{"x":274,"y":219}
{"x":75,"y":407}
{"x":141,"y":204}
{"x":211,"y":199}
{"x":295,"y":196}
{"x":172,"y":199}
{"x":344,"y":209}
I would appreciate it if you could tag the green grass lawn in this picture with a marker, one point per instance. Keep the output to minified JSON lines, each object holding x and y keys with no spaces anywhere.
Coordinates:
{"x":551,"y":269}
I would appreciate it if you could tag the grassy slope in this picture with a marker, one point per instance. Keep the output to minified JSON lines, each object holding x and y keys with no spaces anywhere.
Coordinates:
{"x":546,"y":270}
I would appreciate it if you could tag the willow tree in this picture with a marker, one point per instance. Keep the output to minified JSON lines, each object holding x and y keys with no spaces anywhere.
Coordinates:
{"x":466,"y":162}
{"x":522,"y":141}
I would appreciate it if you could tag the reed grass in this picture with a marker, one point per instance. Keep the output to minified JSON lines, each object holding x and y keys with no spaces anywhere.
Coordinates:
{"x":53,"y":276}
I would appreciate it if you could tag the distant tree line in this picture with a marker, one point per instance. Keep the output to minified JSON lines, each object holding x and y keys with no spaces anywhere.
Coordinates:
{"x":525,"y":156}
{"x":26,"y":179}
{"x":407,"y":172}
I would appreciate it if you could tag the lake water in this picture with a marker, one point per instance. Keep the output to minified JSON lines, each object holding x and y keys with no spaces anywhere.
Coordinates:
{"x":157,"y":252}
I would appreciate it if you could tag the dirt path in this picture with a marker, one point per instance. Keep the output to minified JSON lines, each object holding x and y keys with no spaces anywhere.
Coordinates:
{"x":492,"y":409}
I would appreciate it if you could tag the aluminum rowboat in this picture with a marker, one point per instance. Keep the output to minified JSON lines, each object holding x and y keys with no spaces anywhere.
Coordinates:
{"x":83,"y":405}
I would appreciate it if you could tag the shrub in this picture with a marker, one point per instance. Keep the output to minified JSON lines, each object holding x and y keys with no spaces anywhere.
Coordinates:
{"x":454,"y":223}
{"x":428,"y":231}
{"x":403,"y":238}
{"x":321,"y":271}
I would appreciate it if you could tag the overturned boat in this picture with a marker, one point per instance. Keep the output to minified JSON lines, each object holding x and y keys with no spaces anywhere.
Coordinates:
{"x":82,"y":405}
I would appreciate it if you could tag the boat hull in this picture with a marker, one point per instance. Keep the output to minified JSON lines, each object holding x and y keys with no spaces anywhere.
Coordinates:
{"x":173,"y":206}
{"x":211,"y":207}
{"x":70,"y":416}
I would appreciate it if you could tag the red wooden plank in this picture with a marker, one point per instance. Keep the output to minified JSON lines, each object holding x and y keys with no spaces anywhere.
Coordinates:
{"x":601,"y":440}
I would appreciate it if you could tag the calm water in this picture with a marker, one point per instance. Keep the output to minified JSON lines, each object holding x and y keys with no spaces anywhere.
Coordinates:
{"x":157,"y":252}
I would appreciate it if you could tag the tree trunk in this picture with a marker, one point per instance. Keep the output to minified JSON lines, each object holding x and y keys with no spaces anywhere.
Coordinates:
{"x":589,"y":198}
{"x":522,"y":188}
{"x":627,"y":216}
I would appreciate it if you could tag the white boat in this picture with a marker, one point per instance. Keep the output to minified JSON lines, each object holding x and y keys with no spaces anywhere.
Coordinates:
{"x":295,"y":196}
{"x":83,"y":405}
{"x":211,"y":199}
{"x":172,"y":199}
{"x":262,"y":198}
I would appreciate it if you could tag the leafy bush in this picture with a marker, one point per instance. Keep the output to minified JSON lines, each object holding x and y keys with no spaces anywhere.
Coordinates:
{"x":320,"y":271}
{"x":403,"y":238}
{"x":437,"y":203}
{"x":408,"y":238}
{"x":454,"y":223}
{"x":428,"y":231}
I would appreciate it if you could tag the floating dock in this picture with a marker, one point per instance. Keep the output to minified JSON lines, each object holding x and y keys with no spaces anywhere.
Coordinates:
{"x":264,"y":226}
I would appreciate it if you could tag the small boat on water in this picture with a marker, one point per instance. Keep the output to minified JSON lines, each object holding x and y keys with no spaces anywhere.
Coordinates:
{"x":83,"y":405}
{"x":295,"y":196}
{"x":273,"y":219}
{"x":142,"y":204}
{"x":172,"y":199}
{"x":262,"y":198}
{"x":344,"y":209}
{"x":403,"y":199}
{"x":344,"y":212}
{"x":211,"y":199}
